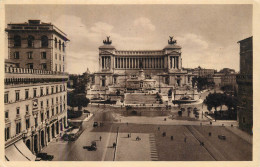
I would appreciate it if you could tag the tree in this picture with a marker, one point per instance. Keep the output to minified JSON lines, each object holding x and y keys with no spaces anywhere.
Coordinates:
{"x":77,"y":100}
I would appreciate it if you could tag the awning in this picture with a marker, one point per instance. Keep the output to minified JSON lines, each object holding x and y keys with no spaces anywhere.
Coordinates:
{"x":24,"y":150}
{"x":12,"y":154}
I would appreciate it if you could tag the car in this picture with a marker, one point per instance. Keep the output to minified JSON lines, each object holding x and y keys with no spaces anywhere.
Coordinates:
{"x":92,"y":147}
{"x":222,"y":137}
{"x":95,"y":124}
{"x":45,"y":156}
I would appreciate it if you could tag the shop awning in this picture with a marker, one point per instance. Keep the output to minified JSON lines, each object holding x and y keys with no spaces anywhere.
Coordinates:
{"x":24,"y":150}
{"x":12,"y":154}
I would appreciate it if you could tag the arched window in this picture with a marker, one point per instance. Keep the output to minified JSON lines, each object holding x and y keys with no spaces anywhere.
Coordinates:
{"x":59,"y":45}
{"x":55,"y":40}
{"x":63,"y":47}
{"x":30,"y":41}
{"x":17,"y":40}
{"x":44,"y":40}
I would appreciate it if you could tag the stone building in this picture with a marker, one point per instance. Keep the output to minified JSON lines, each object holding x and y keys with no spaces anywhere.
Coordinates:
{"x":37,"y":45}
{"x":245,"y":85}
{"x":119,"y":68}
{"x":35,"y":98}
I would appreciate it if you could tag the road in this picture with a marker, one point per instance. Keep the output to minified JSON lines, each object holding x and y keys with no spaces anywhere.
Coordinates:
{"x":152,"y":146}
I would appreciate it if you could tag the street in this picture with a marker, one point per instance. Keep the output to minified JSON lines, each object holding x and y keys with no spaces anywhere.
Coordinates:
{"x":152,"y":146}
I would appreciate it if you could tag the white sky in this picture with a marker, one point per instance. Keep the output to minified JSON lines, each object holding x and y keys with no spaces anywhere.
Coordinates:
{"x":208,"y":34}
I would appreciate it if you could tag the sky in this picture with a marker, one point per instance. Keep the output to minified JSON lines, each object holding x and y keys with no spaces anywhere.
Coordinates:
{"x":208,"y":34}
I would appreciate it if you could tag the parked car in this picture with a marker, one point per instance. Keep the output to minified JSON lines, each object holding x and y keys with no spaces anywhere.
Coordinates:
{"x":45,"y":156}
{"x":92,"y":147}
{"x":222,"y":137}
{"x":95,"y":124}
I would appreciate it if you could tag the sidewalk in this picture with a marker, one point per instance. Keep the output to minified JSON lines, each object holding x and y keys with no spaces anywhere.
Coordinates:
{"x":247,"y":137}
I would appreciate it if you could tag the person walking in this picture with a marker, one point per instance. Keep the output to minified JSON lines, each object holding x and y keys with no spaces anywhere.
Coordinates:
{"x":100,"y":138}
{"x":185,"y":139}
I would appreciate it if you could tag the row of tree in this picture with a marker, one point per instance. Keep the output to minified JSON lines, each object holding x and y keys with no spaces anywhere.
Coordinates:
{"x":77,"y":100}
{"x":202,"y":83}
{"x":215,"y":100}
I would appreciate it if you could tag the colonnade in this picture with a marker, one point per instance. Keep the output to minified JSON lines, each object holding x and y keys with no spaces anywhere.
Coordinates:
{"x":134,"y":62}
{"x":174,"y":62}
{"x":106,"y":61}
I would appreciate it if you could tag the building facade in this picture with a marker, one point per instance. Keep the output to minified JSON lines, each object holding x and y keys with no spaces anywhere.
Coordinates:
{"x":35,"y":98}
{"x":37,"y":45}
{"x":245,"y":85}
{"x":119,"y":68}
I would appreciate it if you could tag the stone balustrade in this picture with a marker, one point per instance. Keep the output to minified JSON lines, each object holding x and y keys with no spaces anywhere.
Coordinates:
{"x":15,"y":70}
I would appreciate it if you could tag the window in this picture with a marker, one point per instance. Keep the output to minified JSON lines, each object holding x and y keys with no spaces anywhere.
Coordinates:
{"x":55,"y":42}
{"x":60,"y":108}
{"x":17,"y":95}
{"x":48,"y":114}
{"x":44,"y":55}
{"x":63,"y":68}
{"x":6,"y":114}
{"x":26,"y":94}
{"x":47,"y":103}
{"x":44,"y":66}
{"x":60,"y":98}
{"x":57,"y":110}
{"x":63,"y":58}
{"x":59,"y":45}
{"x":27,"y":109}
{"x":30,"y":65}
{"x":52,"y":90}
{"x":36,"y":121}
{"x":17,"y":41}
{"x":57,"y":99}
{"x":47,"y":90}
{"x":30,"y":41}
{"x":56,"y":56}
{"x":6,"y":98}
{"x":41,"y":91}
{"x":18,"y":127}
{"x":59,"y":57}
{"x":60,"y":88}
{"x":29,"y":54}
{"x":44,"y":41}
{"x":52,"y":111}
{"x":63,"y":47}
{"x":55,"y":67}
{"x":16,"y":55}
{"x":18,"y":111}
{"x":60,"y":67}
{"x":42,"y":117}
{"x":41,"y":104}
{"x":52,"y":101}
{"x":7,"y":133}
{"x":57,"y":89}
{"x":27,"y":122}
{"x":34,"y":92}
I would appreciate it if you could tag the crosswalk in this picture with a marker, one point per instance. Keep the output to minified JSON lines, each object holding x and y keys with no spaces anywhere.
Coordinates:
{"x":153,"y":150}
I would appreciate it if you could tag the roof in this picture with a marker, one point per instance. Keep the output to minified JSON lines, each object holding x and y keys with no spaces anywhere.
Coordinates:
{"x":107,"y":47}
{"x":172,"y":46}
{"x":246,"y":39}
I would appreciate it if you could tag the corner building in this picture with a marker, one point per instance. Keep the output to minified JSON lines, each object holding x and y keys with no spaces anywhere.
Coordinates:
{"x":35,"y":94}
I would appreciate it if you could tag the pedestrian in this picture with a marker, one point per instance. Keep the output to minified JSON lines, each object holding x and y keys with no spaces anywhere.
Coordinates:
{"x":127,"y":123}
{"x":158,"y":128}
{"x":185,"y":139}
{"x":171,"y":137}
{"x":128,"y":135}
{"x":100,"y":138}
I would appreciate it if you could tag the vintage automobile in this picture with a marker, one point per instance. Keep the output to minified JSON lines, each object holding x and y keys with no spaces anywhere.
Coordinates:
{"x":95,"y":124}
{"x":45,"y":156}
{"x":222,"y":137}
{"x":92,"y":147}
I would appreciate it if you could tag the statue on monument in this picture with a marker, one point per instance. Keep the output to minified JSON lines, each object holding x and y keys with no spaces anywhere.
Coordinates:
{"x":171,"y":41}
{"x":107,"y":42}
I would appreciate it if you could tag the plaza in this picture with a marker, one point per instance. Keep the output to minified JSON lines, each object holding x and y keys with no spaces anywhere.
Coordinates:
{"x":153,"y":146}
